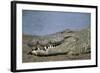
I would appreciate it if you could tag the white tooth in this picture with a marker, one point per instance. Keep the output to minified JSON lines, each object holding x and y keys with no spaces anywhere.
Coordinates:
{"x":45,"y":47}
{"x":34,"y":52}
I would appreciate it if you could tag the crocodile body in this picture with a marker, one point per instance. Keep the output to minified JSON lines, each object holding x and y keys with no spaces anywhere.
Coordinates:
{"x":71,"y":44}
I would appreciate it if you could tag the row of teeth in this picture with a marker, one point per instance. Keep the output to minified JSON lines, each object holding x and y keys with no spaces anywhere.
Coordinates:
{"x":45,"y":48}
{"x":49,"y":47}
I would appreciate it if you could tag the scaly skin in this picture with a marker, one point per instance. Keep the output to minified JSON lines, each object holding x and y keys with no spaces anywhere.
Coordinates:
{"x":71,"y":44}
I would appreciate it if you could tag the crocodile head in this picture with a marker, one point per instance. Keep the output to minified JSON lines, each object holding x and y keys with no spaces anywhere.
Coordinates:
{"x":42,"y":49}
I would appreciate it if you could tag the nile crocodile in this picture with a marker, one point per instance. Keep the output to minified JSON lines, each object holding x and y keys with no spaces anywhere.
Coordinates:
{"x":69,"y":44}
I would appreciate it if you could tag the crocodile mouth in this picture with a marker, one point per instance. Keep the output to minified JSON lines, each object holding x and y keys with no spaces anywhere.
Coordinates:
{"x":41,"y":49}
